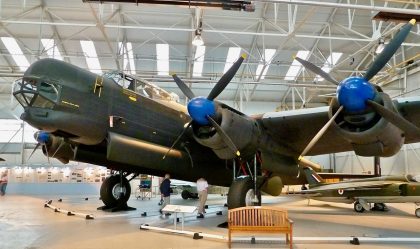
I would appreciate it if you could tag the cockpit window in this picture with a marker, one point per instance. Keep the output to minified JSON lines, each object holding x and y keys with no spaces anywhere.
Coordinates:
{"x":38,"y":94}
{"x":140,"y":86}
{"x":49,"y":91}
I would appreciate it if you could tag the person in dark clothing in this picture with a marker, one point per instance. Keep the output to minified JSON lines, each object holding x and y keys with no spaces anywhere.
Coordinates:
{"x":165,"y":190}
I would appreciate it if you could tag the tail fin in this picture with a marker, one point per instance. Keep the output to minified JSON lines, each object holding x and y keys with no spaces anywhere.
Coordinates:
{"x":312,"y":177}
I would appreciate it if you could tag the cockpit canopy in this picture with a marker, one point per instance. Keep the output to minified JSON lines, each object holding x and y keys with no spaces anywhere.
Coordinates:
{"x":36,"y":93}
{"x":140,"y":86}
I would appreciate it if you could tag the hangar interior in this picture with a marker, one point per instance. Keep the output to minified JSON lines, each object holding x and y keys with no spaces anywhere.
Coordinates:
{"x":342,"y":38}
{"x":154,"y":39}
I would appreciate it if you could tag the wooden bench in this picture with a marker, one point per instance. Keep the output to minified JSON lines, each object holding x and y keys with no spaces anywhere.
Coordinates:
{"x":260,"y":219}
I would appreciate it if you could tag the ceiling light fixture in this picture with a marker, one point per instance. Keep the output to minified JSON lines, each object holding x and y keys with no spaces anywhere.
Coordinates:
{"x":381,"y":46}
{"x":198,"y":41}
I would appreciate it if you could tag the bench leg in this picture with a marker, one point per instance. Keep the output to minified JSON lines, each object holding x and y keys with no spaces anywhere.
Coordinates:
{"x":229,"y":239}
{"x":287,"y":238}
{"x":291,"y":239}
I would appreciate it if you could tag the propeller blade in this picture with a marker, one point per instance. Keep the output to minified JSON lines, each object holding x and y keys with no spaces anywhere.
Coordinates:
{"x":226,"y":78}
{"x":224,"y":136}
{"x":177,"y":139}
{"x":184,"y":88}
{"x":36,"y":147}
{"x":389,"y":50}
{"x":318,"y":71}
{"x":46,"y":152}
{"x":394,"y":118}
{"x":319,"y":134}
{"x":58,"y":148}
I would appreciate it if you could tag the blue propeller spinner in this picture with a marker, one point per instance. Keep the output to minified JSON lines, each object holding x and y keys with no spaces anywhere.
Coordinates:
{"x":42,"y":137}
{"x":353,"y":92}
{"x":201,"y":107}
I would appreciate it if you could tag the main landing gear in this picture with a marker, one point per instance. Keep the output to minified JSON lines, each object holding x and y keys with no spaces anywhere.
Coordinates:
{"x":244,"y":190}
{"x":361,"y":207}
{"x":115,"y":192}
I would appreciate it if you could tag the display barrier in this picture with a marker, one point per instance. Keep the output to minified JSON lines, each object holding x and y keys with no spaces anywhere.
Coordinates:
{"x":69,"y":213}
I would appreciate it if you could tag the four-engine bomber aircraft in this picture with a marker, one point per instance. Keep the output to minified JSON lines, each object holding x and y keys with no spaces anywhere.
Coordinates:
{"x":363,"y":192}
{"x":128,"y":125}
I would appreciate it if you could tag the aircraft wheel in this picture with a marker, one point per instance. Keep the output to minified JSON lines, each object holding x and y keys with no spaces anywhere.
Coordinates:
{"x":113,"y":193}
{"x":417,"y":212}
{"x":241,"y":193}
{"x":358,"y":207}
{"x":379,"y":207}
{"x":185,"y":194}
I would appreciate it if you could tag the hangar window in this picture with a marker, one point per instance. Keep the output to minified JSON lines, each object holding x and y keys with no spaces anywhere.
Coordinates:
{"x":329,"y":64}
{"x":91,"y":56}
{"x":268,"y":57}
{"x":51,"y":49}
{"x":295,"y":68}
{"x":232,"y":56}
{"x":16,"y":53}
{"x":199,"y":61}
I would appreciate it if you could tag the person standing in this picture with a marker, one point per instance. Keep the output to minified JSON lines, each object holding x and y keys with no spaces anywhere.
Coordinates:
{"x":3,"y":183}
{"x":202,"y":187}
{"x":165,"y":190}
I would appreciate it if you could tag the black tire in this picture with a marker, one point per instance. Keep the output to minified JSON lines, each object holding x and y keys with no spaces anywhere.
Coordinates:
{"x":109,"y":191}
{"x":358,"y":207}
{"x":237,"y":195}
{"x":379,"y":207}
{"x":185,"y":194}
{"x":417,"y":212}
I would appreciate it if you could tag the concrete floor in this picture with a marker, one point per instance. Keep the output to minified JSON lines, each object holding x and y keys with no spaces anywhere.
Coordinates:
{"x":26,"y":224}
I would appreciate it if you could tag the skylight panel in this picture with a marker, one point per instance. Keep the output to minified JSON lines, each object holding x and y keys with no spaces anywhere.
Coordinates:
{"x":198,"y":61}
{"x":295,"y":68}
{"x":329,"y":64}
{"x":91,"y":57}
{"x":162,"y":54}
{"x":131,"y":58}
{"x":51,"y":49}
{"x":268,"y":55}
{"x":232,"y":56}
{"x":122,"y":49}
{"x":16,"y":52}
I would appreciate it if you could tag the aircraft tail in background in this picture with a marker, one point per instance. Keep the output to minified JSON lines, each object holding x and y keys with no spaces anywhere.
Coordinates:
{"x":312,"y":177}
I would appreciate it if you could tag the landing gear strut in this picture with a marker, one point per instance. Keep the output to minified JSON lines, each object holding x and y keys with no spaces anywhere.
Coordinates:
{"x":244,"y":190}
{"x":115,"y":192}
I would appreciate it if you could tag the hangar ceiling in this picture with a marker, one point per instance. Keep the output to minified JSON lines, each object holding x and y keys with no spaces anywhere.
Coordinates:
{"x":271,"y":35}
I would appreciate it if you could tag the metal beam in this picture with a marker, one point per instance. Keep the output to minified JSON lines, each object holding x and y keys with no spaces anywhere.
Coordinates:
{"x":212,"y":30}
{"x":346,"y":6}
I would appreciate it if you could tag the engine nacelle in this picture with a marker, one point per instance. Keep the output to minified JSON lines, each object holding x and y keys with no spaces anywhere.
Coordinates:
{"x":242,"y":130}
{"x":58,"y":148}
{"x":368,"y":132}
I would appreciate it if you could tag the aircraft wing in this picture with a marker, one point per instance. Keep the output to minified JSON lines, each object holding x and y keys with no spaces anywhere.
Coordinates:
{"x":353,"y":185}
{"x":296,"y":128}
